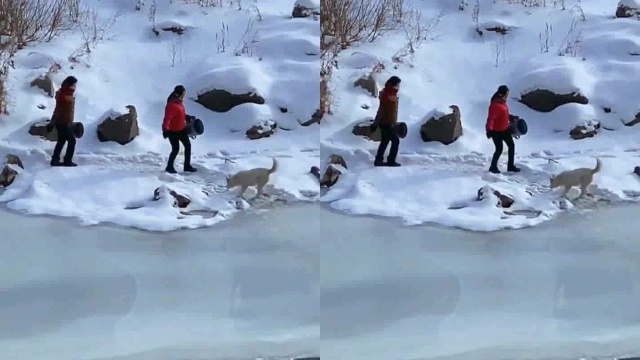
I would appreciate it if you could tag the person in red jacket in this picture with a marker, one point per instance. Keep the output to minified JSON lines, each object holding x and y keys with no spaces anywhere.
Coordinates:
{"x":498,"y":130}
{"x":174,"y":129}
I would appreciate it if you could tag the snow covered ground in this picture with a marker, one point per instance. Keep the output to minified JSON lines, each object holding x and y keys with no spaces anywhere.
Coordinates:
{"x":565,"y":290}
{"x":105,"y":293}
{"x":277,"y":59}
{"x":457,"y":65}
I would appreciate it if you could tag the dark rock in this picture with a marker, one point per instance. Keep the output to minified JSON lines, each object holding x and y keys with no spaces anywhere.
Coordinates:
{"x":44,"y":83}
{"x":123,"y":129}
{"x":300,"y":11}
{"x":607,"y":110}
{"x":283,"y":110}
{"x":316,"y":118}
{"x":636,"y":170}
{"x":626,"y":12}
{"x":590,"y":129}
{"x":547,"y":101}
{"x":363,"y":128}
{"x":446,"y":129}
{"x":262,"y":130}
{"x":13,"y":160}
{"x":180,"y":201}
{"x":223,"y":101}
{"x":368,"y":83}
{"x":7,"y":176}
{"x":504,"y":201}
{"x":175,"y":29}
{"x":634,"y":121}
{"x":498,"y":29}
{"x":315,"y":171}
{"x":332,"y":173}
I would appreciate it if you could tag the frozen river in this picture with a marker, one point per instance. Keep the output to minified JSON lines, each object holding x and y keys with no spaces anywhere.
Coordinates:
{"x":566,"y":290}
{"x":245,"y":289}
{"x":252,"y":287}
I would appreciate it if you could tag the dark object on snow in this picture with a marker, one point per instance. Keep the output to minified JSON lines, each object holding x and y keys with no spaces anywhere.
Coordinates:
{"x":195,"y":126}
{"x":517,"y":126}
{"x":401,"y":129}
{"x":77,"y":129}
{"x":636,"y":170}
{"x":315,"y":171}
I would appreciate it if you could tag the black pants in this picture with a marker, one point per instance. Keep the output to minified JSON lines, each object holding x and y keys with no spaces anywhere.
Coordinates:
{"x":65,"y":135}
{"x":498,"y":138}
{"x":388,"y":135}
{"x":175,"y":138}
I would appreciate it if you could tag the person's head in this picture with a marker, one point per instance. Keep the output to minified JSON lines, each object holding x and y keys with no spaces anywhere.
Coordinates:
{"x":69,"y":83}
{"x":502,"y":93}
{"x":178,"y":93}
{"x":393,"y":83}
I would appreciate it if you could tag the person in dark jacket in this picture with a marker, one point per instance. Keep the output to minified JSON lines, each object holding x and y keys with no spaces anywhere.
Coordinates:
{"x":498,"y":130}
{"x":62,"y":120}
{"x":386,"y":119}
{"x":174,"y":129}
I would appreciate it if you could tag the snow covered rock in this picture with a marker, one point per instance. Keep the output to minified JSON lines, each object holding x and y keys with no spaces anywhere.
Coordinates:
{"x":44,"y":83}
{"x":445,"y":129}
{"x":628,"y":8}
{"x":368,"y":83}
{"x":305,"y":8}
{"x":315,"y":118}
{"x":504,"y":201}
{"x":13,"y":159}
{"x":263,"y":129}
{"x":180,"y":201}
{"x":546,"y":101}
{"x":223,"y":100}
{"x":363,"y":128}
{"x":119,"y":128}
{"x":315,"y":171}
{"x":588,"y":130}
{"x":8,"y":175}
{"x":40,"y":129}
{"x":634,"y":121}
{"x":334,"y":169}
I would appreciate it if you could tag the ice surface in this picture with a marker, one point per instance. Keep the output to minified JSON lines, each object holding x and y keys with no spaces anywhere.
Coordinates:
{"x":249,"y":288}
{"x":437,"y":183}
{"x":566,"y":290}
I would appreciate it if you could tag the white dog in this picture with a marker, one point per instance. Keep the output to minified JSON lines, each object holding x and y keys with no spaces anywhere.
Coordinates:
{"x":581,"y":177}
{"x":258,"y":177}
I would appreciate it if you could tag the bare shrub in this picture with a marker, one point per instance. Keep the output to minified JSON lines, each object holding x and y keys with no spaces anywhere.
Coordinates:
{"x":94,"y":29}
{"x":500,"y":50}
{"x":416,"y":32}
{"x":572,"y":41}
{"x":475,"y":16}
{"x":152,"y":15}
{"x":546,"y":39}
{"x":222,"y":39}
{"x":248,"y":42}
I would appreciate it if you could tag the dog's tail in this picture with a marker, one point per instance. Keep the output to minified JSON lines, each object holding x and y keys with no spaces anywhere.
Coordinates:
{"x":598,"y":167}
{"x":274,"y":168}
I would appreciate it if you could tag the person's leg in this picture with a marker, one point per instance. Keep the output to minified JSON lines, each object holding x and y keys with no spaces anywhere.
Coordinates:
{"x":55,"y":158}
{"x":184,"y":139}
{"x":511,"y":151}
{"x":71,"y":146}
{"x":385,"y":138}
{"x":175,"y":149}
{"x":395,"y":144}
{"x":497,"y":142}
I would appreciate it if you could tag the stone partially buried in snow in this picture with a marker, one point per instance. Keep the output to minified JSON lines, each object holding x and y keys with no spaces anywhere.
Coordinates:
{"x":504,"y":201}
{"x":223,"y":100}
{"x":45,"y":83}
{"x":628,"y":8}
{"x":444,"y":129}
{"x":588,"y":130}
{"x":305,"y":8}
{"x":8,"y":175}
{"x":40,"y":129}
{"x":180,"y":201}
{"x":119,"y":128}
{"x":263,"y":129}
{"x":335,"y":167}
{"x":546,"y":101}
{"x":316,"y":117}
{"x":363,"y":128}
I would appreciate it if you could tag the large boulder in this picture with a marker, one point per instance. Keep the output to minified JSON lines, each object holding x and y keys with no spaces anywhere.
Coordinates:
{"x":445,"y":129}
{"x":45,"y":83}
{"x":546,"y":101}
{"x":121,"y":129}
{"x":223,"y":101}
{"x":368,"y":83}
{"x":587,"y":130}
{"x":40,"y":129}
{"x":263,"y":129}
{"x":334,"y":170}
{"x":363,"y":128}
{"x":627,"y":9}
{"x":305,"y":8}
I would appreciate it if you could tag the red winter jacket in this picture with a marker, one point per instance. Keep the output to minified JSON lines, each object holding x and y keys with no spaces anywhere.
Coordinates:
{"x":174,"y":116}
{"x":498,"y":119}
